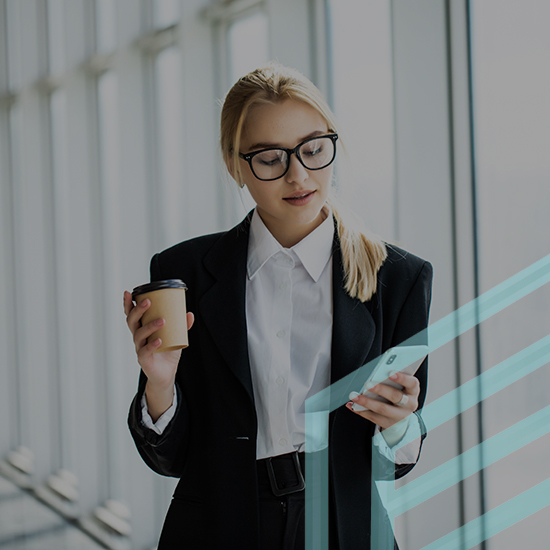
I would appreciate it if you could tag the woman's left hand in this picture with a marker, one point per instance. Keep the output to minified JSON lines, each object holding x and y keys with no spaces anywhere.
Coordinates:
{"x":387,"y":414}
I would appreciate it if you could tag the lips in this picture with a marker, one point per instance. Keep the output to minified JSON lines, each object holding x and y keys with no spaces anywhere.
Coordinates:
{"x":300,"y":198}
{"x":299,"y":195}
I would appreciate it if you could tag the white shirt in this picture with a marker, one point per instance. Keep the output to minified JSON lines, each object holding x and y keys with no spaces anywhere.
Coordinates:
{"x":289,"y":320}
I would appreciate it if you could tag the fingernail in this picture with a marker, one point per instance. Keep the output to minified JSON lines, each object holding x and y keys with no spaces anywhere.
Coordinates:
{"x":393,"y":374}
{"x":353,"y":395}
{"x":159,"y":322}
{"x":370,"y":385}
{"x":145,"y":302}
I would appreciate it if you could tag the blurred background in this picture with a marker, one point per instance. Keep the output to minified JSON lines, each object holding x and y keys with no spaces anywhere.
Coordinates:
{"x":109,"y":152}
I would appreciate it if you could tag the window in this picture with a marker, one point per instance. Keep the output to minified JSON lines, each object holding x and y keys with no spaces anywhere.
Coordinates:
{"x":248,"y":45}
{"x":169,"y":144}
{"x":105,"y":25}
{"x":166,"y":12}
{"x":362,"y":86}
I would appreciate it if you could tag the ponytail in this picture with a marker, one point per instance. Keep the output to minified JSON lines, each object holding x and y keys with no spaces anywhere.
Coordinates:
{"x":363,"y":253}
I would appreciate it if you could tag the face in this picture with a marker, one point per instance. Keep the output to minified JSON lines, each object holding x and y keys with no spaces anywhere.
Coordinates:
{"x":286,"y":124}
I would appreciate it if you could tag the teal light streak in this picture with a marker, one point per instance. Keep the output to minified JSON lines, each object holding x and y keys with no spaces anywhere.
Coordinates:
{"x":449,"y":473}
{"x":490,"y":382}
{"x":496,"y":520}
{"x":438,"y":334}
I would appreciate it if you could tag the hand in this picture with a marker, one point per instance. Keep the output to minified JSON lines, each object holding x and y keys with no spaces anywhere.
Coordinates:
{"x":386,"y":414}
{"x":159,"y":368}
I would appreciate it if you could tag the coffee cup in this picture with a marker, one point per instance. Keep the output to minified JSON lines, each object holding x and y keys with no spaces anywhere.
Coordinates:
{"x":167,"y":301}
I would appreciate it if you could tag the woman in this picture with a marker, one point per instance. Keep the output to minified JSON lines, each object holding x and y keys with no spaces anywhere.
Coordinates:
{"x":284,"y":304}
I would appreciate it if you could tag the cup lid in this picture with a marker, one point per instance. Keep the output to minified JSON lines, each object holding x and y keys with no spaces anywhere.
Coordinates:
{"x":158,"y":285}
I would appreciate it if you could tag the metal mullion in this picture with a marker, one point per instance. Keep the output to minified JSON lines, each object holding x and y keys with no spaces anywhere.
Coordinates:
{"x":476,"y":248}
{"x":11,"y":357}
{"x":97,"y":309}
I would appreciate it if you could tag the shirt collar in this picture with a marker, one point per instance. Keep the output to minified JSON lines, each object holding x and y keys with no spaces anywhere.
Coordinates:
{"x":314,"y":250}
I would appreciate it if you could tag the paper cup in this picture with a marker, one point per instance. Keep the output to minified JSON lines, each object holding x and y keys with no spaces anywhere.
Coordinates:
{"x":167,"y":301}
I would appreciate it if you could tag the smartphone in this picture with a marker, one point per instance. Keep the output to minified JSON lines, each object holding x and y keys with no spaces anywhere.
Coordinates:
{"x":400,"y":358}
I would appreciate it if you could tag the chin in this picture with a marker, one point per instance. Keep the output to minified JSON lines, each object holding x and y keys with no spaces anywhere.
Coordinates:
{"x":307,"y":218}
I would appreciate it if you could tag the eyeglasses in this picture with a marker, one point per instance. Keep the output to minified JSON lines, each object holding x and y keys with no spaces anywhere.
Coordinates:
{"x":314,"y":153}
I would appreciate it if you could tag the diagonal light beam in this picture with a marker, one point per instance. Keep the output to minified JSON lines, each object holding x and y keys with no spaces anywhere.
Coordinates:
{"x":438,"y":334}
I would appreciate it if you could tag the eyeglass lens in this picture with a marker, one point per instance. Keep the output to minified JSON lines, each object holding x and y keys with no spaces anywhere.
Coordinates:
{"x":314,"y":154}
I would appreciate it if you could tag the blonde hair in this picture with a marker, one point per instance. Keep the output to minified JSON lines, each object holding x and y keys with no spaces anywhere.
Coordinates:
{"x":362,"y":252}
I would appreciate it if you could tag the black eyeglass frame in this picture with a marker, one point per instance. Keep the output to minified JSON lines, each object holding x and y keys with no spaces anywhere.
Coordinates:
{"x":249,"y":156}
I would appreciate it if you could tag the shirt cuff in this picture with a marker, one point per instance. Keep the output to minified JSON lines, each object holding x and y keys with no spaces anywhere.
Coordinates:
{"x":164,"y":419}
{"x":387,"y":440}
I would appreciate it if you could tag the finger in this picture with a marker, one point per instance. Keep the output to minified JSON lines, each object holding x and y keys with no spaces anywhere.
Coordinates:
{"x":388,"y":392}
{"x":408,"y":381}
{"x":382,"y":421}
{"x":190,"y":320}
{"x":387,"y":410}
{"x":134,"y":317}
{"x":147,"y":350}
{"x":127,"y":303}
{"x":142,"y":333}
{"x":411,"y":401}
{"x":395,"y":396}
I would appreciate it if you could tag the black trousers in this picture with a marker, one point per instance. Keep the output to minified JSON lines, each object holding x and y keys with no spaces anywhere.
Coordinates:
{"x":282,"y":518}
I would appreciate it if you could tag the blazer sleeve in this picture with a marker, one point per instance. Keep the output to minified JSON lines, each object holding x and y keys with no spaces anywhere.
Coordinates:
{"x":411,"y":329}
{"x":165,"y":453}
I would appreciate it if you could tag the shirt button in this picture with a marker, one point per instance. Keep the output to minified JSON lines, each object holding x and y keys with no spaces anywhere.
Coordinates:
{"x":280,"y":380}
{"x":281,"y":333}
{"x":282,"y":442}
{"x":282,"y":286}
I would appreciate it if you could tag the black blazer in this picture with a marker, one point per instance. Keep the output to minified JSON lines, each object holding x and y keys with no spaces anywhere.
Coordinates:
{"x":210,"y":444}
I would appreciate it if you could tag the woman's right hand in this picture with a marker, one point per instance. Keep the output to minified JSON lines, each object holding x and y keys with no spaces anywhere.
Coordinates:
{"x":159,"y":368}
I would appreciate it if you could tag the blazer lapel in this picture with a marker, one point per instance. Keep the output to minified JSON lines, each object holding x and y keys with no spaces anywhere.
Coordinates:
{"x":353,"y":328}
{"x":223,"y":305}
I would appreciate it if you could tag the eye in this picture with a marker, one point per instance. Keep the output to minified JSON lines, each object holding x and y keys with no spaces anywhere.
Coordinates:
{"x":270,"y":158}
{"x":312,"y":148}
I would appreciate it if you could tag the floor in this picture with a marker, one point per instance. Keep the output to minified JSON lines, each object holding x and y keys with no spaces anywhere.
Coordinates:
{"x":27,"y":524}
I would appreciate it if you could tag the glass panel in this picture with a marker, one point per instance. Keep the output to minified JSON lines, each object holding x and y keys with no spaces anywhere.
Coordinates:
{"x":108,"y":132}
{"x":56,"y":36}
{"x":511,"y":91}
{"x":109,"y":372}
{"x":248,"y":45}
{"x":12,"y":48}
{"x":105,"y":25}
{"x":167,"y":12}
{"x":363,"y":103}
{"x":170,"y":142}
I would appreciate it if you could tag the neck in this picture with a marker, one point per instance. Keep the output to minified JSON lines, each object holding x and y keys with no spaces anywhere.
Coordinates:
{"x":289,"y":235}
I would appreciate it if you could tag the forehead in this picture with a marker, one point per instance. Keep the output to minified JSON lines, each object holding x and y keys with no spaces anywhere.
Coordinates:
{"x":283,"y":124}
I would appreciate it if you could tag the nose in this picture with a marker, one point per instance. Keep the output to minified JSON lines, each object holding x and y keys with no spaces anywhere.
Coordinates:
{"x":297,"y":173}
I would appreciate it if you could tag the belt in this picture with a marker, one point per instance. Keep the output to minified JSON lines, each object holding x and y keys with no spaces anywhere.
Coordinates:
{"x":284,"y":473}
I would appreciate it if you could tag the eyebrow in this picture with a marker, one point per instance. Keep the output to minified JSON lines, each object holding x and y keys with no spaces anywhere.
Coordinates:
{"x":267,"y":145}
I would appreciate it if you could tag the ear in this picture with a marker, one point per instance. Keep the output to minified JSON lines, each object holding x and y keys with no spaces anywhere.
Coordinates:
{"x":230,"y":166}
{"x":232,"y":172}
